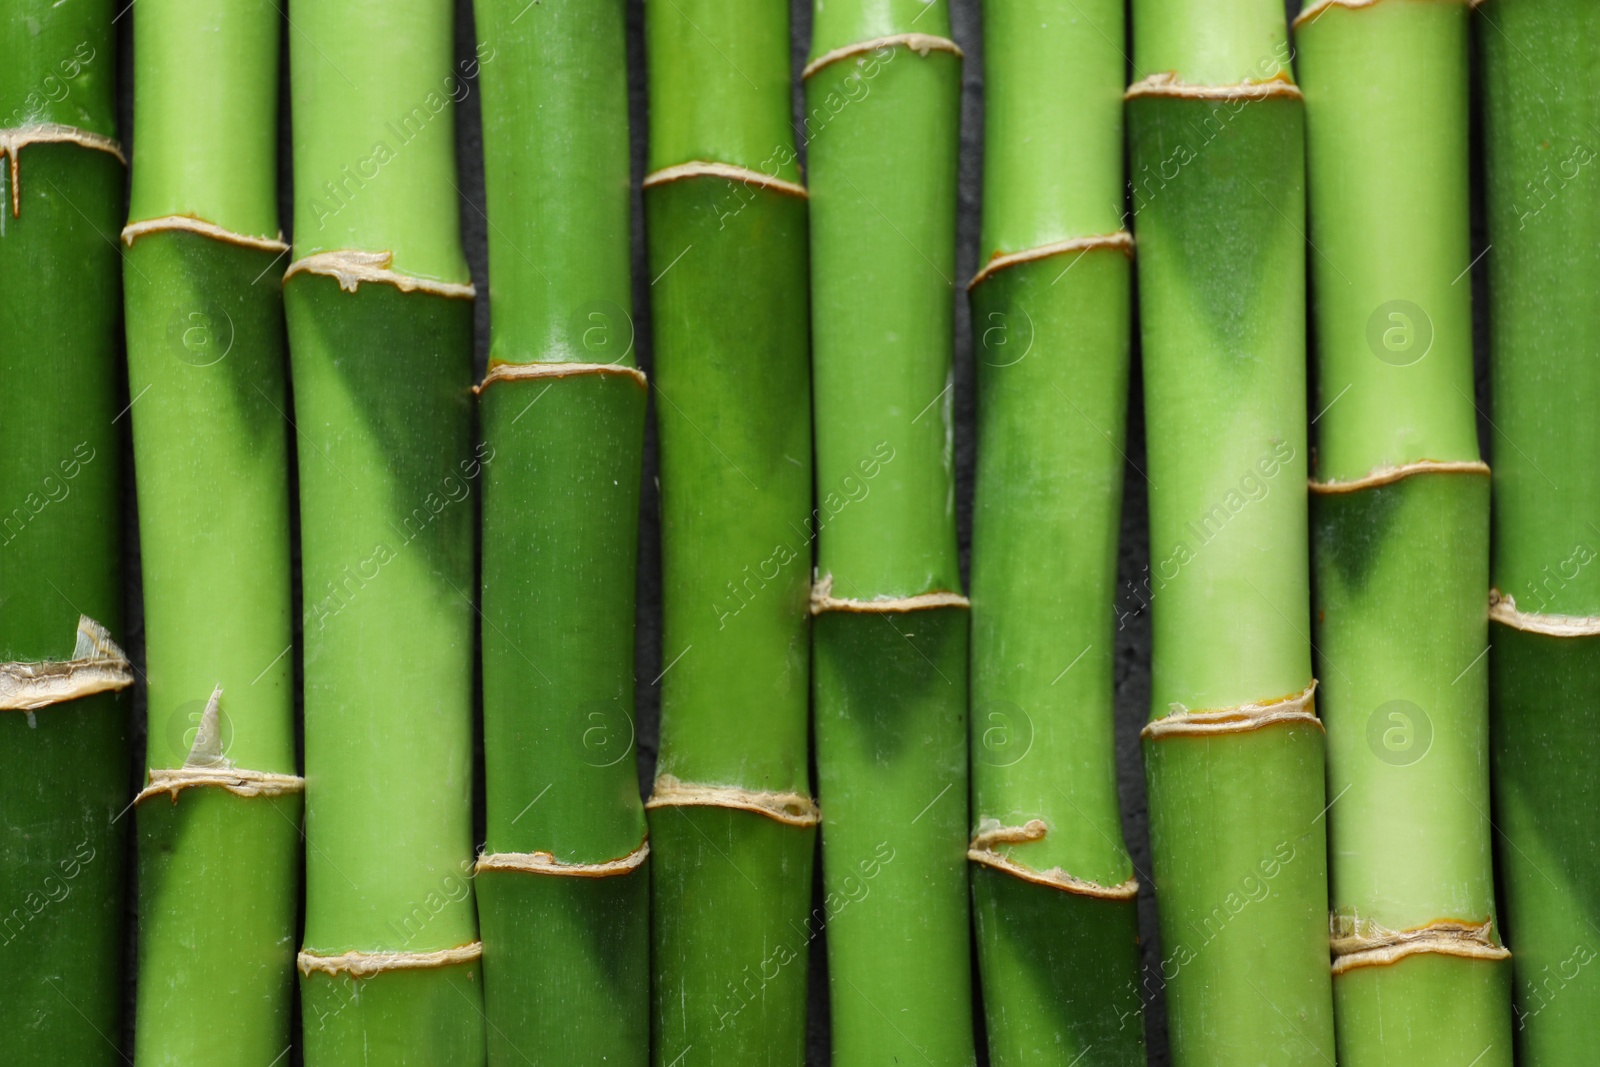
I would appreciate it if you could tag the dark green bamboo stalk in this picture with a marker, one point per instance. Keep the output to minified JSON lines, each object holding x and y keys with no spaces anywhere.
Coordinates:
{"x":380,"y":335}
{"x":890,"y":685}
{"x":563,"y":883}
{"x":219,"y":820}
{"x":1541,"y":94}
{"x":1401,"y":538}
{"x":63,"y":732}
{"x":732,"y":822}
{"x":1234,"y":752}
{"x":1053,"y":889}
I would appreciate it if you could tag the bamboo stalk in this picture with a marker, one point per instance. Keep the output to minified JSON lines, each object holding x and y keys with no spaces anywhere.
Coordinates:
{"x":219,"y":819}
{"x":63,"y":732}
{"x":891,"y":627}
{"x":732,"y":822}
{"x":1234,"y":752}
{"x":380,"y":337}
{"x":1401,"y":538}
{"x":1053,"y":888}
{"x":1541,"y":94}
{"x":563,"y":882}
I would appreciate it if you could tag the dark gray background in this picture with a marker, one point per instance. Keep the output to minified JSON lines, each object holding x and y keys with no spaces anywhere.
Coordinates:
{"x":1132,"y":640}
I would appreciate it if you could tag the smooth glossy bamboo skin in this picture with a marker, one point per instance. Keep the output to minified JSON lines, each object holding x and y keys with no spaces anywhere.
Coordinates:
{"x":1237,"y":836}
{"x":733,"y":389}
{"x":64,"y":770}
{"x":566,"y":959}
{"x":1544,"y":223}
{"x":889,"y":688}
{"x":1059,"y":968}
{"x":1401,"y":620}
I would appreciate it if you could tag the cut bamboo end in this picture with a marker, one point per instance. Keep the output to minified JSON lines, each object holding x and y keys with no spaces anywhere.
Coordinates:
{"x":235,"y":780}
{"x":1297,"y":708}
{"x":920,"y":43}
{"x":184,"y":223}
{"x":97,"y":666}
{"x":546,"y":863}
{"x":1362,"y":943}
{"x":350,"y":268}
{"x":1167,"y":84}
{"x":1121,"y":241}
{"x":992,"y":833}
{"x":1503,"y":610}
{"x":822,"y":600}
{"x":367,"y":964}
{"x":1389,"y":475}
{"x":791,"y":809}
{"x":13,"y":141}
{"x":520,"y":372}
{"x":744,"y":175}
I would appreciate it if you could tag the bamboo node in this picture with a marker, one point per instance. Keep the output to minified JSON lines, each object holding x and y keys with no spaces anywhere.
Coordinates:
{"x":546,"y":863}
{"x":236,"y":780}
{"x":189,"y":224}
{"x":516,"y":372}
{"x":1388,"y":475}
{"x":1503,"y":610}
{"x":367,"y":964}
{"x":730,"y":171}
{"x":350,"y":268}
{"x":1167,"y":84}
{"x":991,"y":833}
{"x":822,"y":599}
{"x":97,"y":666}
{"x":1317,"y":8}
{"x":1121,"y":241}
{"x":920,"y":43}
{"x":1363,"y":943}
{"x":13,"y":141}
{"x":791,"y":809}
{"x":1181,"y":722}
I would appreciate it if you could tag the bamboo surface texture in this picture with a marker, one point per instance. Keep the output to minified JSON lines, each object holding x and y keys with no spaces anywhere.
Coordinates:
{"x":380,"y":335}
{"x":1053,"y":887}
{"x":732,"y":822}
{"x":219,"y":817}
{"x":890,"y":636}
{"x":563,"y":883}
{"x":1234,"y":754}
{"x":64,"y":766}
{"x":1401,"y":539}
{"x":1541,"y":110}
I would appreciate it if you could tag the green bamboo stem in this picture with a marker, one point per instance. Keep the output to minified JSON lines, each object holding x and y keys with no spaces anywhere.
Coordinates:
{"x":219,"y":820}
{"x":891,"y":628}
{"x":1234,"y":753}
{"x":1401,"y":538}
{"x":63,"y":732}
{"x":732,"y":823}
{"x":1541,"y":94}
{"x":563,"y":884}
{"x":380,"y":337}
{"x":1053,"y":888}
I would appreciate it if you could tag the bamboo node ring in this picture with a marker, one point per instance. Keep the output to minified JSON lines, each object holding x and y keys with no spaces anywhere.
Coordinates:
{"x":97,"y":666}
{"x":1503,"y":610}
{"x":367,"y":964}
{"x":13,"y":141}
{"x":1167,"y":84}
{"x":350,"y":268}
{"x":1295,"y":708}
{"x":920,"y":43}
{"x":1389,"y":475}
{"x":730,"y":171}
{"x":991,"y":833}
{"x":823,"y":600}
{"x":791,"y":809}
{"x":187,"y":223}
{"x":517,"y":372}
{"x":1364,"y":943}
{"x":546,"y":863}
{"x":1122,"y":241}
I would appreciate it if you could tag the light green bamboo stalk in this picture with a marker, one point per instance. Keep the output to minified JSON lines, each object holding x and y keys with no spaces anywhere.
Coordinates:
{"x":220,"y":818}
{"x":891,"y":628}
{"x":1541,"y":96}
{"x":63,"y":733}
{"x":732,"y":823}
{"x":1053,"y":890}
{"x":380,"y":332}
{"x":563,"y":884}
{"x":1401,"y":538}
{"x":1234,"y":752}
